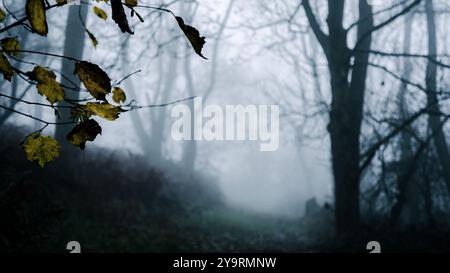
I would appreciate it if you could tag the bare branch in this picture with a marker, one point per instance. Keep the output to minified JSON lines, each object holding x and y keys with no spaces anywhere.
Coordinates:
{"x":320,"y":35}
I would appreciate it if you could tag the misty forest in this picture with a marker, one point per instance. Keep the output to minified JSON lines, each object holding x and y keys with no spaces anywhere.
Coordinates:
{"x":87,"y":149}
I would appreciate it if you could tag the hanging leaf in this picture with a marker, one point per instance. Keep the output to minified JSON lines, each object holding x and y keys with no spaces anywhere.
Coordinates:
{"x":47,"y":85}
{"x":100,"y":13}
{"x":92,"y":38}
{"x":61,"y":2}
{"x":40,"y":148}
{"x":105,"y":110}
{"x":11,"y":46}
{"x":131,"y":3}
{"x":94,"y":79}
{"x":80,"y":112}
{"x":35,"y":10}
{"x":2,"y":15}
{"x":52,"y":91}
{"x":85,"y":131}
{"x":5,"y":67}
{"x":193,"y":36}
{"x":119,"y":16}
{"x":119,"y":95}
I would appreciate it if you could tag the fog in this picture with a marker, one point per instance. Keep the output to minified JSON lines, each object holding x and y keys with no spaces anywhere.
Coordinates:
{"x":260,"y":53}
{"x":275,"y":182}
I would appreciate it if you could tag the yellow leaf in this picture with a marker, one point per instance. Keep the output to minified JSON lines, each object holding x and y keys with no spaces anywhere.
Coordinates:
{"x":94,"y":79}
{"x":119,"y":95}
{"x":85,"y":131}
{"x":43,"y":149}
{"x":11,"y":46}
{"x":193,"y":36}
{"x":47,"y":85}
{"x":80,"y":112}
{"x":5,"y":67}
{"x":105,"y":110}
{"x":100,"y":13}
{"x":2,"y":15}
{"x":131,"y":3}
{"x":41,"y":74}
{"x":35,"y":10}
{"x":51,"y":90}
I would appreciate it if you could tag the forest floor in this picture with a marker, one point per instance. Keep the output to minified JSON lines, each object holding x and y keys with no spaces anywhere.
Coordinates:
{"x":108,"y":205}
{"x":97,"y":198}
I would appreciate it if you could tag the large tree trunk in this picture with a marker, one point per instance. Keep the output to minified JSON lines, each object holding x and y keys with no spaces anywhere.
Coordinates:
{"x":344,"y":142}
{"x":346,"y":106}
{"x":434,"y":119}
{"x":73,"y":47}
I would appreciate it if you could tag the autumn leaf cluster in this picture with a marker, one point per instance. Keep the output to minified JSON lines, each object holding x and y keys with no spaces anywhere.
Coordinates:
{"x":95,"y":80}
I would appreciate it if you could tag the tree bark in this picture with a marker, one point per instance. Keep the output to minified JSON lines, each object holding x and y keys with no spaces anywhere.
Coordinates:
{"x":346,"y":106}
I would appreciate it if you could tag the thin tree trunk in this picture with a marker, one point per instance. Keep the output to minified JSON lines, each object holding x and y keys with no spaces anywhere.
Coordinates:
{"x":159,"y":122}
{"x":406,"y":207}
{"x":141,"y":133}
{"x":434,"y":119}
{"x":190,"y":147}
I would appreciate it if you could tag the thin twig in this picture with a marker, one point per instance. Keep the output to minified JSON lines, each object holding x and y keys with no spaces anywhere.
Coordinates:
{"x":43,"y":53}
{"x":126,"y":77}
{"x":37,"y":119}
{"x":133,"y":107}
{"x":35,"y":103}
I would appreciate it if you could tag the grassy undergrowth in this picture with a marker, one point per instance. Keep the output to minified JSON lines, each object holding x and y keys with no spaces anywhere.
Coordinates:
{"x":112,"y":202}
{"x":109,"y":205}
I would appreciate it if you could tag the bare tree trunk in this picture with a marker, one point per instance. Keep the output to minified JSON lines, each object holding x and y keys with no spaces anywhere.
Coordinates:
{"x":346,"y":106}
{"x":190,"y":147}
{"x":73,"y":47}
{"x":138,"y":124}
{"x":434,"y":119}
{"x":152,"y":140}
{"x":189,"y":153}
{"x":160,"y":115}
{"x":406,"y":208}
